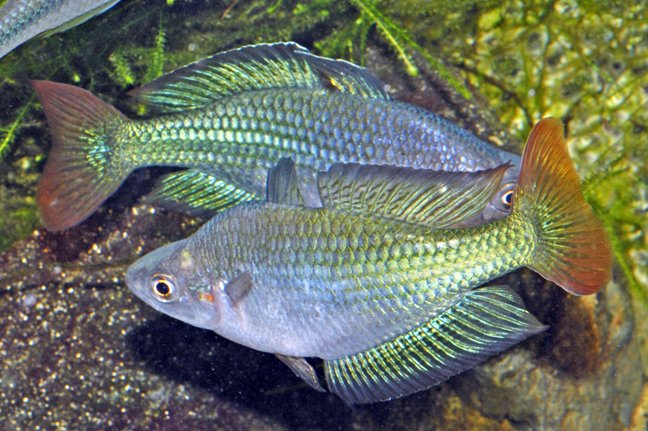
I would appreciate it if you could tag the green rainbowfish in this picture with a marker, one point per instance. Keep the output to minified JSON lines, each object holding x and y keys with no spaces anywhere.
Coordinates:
{"x":229,"y":118}
{"x":376,"y":282}
{"x":21,"y":20}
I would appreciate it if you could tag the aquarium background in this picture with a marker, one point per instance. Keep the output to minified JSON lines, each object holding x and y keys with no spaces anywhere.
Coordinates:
{"x":79,"y":351}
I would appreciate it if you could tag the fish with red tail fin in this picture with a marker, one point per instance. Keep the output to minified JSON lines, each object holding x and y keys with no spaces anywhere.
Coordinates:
{"x":228,"y":118}
{"x":377,"y":282}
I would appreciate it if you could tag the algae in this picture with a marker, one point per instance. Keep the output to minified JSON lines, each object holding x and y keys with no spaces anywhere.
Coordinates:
{"x":585,"y":62}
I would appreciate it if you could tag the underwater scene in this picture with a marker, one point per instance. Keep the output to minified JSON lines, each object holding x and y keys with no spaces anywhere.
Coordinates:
{"x":323,"y":215}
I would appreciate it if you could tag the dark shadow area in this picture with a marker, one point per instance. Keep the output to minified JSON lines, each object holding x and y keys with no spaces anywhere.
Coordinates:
{"x":189,"y":355}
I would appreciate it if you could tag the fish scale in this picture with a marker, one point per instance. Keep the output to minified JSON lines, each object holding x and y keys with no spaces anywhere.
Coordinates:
{"x":375,"y":282}
{"x":274,"y":239}
{"x":333,"y":134}
{"x":227,"y":119}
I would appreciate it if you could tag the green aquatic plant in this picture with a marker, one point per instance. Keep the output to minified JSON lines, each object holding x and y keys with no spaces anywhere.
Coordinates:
{"x":122,"y":71}
{"x":138,"y":64}
{"x":400,"y":40}
{"x":8,"y":134}
{"x":18,"y":221}
{"x":155,"y":66}
{"x":586,"y":64}
{"x":623,"y":215}
{"x":349,"y":40}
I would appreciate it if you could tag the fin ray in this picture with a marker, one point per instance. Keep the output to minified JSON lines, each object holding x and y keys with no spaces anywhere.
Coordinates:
{"x":196,"y":192}
{"x":82,"y":170}
{"x":238,"y":287}
{"x":448,"y":344}
{"x":283,"y":186}
{"x":303,"y":370}
{"x":255,"y":67}
{"x":247,"y":68}
{"x":436,"y":199}
{"x":346,"y":77}
{"x":573,"y":249}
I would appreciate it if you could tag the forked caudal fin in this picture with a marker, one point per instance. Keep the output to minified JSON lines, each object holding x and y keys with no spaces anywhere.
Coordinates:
{"x":81,"y":172}
{"x":572,"y":247}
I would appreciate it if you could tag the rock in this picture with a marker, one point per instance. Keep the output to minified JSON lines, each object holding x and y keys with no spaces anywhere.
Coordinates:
{"x":78,"y":351}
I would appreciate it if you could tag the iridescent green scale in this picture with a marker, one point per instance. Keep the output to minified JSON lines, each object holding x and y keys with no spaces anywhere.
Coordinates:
{"x":377,"y":281}
{"x":399,"y":288}
{"x":228,"y":118}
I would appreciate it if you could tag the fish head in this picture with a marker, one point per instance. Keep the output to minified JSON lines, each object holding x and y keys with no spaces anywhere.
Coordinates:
{"x":501,"y":203}
{"x":171,"y":280}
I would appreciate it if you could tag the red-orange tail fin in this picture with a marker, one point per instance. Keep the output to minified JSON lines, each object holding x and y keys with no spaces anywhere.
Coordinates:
{"x":573,"y":249}
{"x":81,"y":170}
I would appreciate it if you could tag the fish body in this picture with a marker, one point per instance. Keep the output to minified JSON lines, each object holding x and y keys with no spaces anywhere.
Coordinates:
{"x":377,"y":281}
{"x":230,"y":118}
{"x":21,"y":20}
{"x":328,"y":284}
{"x":242,"y":137}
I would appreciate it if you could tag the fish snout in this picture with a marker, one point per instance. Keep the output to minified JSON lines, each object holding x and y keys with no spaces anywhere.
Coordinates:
{"x":133,"y":278}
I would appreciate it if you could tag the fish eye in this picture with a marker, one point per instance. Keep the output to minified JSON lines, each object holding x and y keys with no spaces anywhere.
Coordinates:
{"x":506,"y":197}
{"x":163,"y":288}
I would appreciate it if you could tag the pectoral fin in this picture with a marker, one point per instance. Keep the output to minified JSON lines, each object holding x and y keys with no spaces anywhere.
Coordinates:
{"x":238,"y":287}
{"x":484,"y":322}
{"x":303,"y":369}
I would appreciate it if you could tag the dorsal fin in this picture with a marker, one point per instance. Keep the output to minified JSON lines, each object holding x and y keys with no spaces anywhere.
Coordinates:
{"x":282,"y":186}
{"x":345,"y":77}
{"x":254,"y":67}
{"x":436,"y":199}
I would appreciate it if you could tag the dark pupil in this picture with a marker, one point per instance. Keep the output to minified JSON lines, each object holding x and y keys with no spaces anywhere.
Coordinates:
{"x":162,"y":287}
{"x":507,"y":198}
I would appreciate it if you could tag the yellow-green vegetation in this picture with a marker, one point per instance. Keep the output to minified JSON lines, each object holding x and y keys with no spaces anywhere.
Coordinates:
{"x":350,"y":41}
{"x":587,"y":63}
{"x":18,"y":220}
{"x":8,"y":133}
{"x":151,"y":60}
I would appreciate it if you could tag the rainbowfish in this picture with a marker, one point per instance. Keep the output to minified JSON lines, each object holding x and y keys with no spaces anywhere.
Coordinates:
{"x":21,"y":20}
{"x":229,"y":118}
{"x":377,"y":282}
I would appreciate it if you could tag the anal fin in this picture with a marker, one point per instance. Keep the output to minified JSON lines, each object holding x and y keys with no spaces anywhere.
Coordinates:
{"x":484,"y":322}
{"x":196,"y":192}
